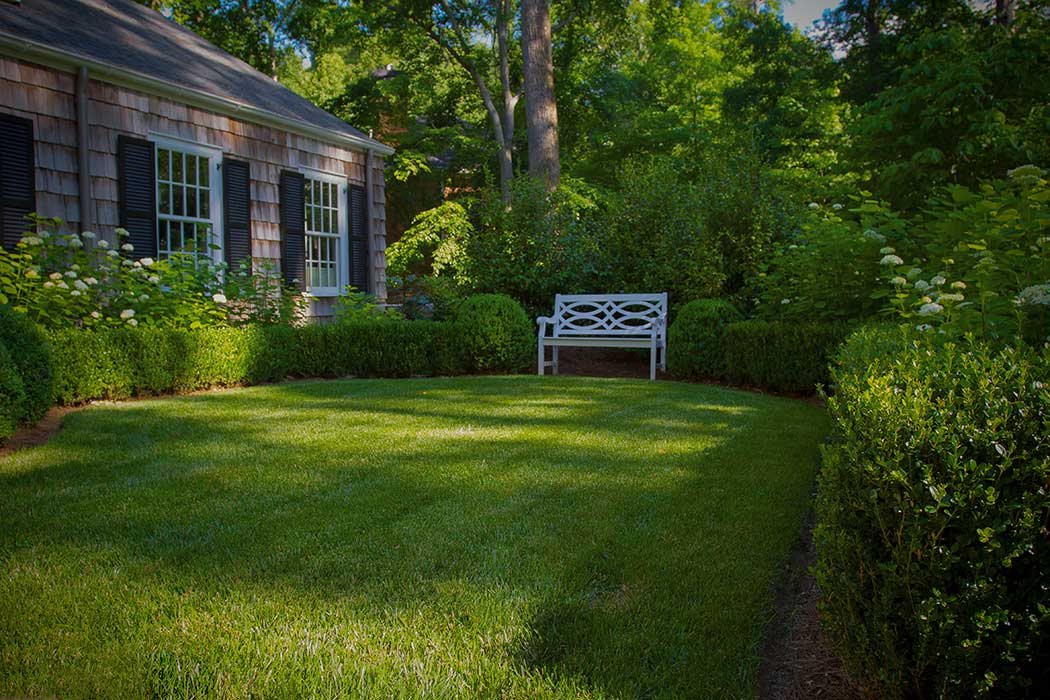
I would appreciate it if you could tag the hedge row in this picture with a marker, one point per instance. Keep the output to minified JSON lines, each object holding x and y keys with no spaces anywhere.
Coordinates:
{"x":932,"y":510}
{"x":125,"y":362}
{"x":25,"y":372}
{"x":709,"y":341}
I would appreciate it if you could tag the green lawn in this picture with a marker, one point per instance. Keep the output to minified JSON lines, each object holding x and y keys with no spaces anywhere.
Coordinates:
{"x":510,"y":537}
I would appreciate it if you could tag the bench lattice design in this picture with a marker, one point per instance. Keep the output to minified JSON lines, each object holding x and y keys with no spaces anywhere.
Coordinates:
{"x":605,"y":321}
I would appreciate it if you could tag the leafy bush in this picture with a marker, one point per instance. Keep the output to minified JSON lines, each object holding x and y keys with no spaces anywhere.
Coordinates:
{"x":694,"y":340}
{"x":12,"y":396}
{"x":931,"y":516}
{"x":29,"y":351}
{"x":658,"y":238}
{"x":495,"y":333}
{"x":359,"y":306}
{"x":61,"y":281}
{"x":979,"y":262}
{"x":782,"y":356}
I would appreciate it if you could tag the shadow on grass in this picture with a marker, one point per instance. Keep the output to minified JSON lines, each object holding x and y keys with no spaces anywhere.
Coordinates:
{"x":635,"y":554}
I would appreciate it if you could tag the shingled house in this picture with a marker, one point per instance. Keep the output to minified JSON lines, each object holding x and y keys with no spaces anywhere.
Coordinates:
{"x":112,"y":115}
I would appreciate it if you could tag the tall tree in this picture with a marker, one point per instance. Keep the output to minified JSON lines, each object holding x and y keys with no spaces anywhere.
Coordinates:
{"x":541,"y":108}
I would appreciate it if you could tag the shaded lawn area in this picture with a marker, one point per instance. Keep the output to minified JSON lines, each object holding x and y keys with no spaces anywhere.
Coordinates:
{"x":471,"y":537}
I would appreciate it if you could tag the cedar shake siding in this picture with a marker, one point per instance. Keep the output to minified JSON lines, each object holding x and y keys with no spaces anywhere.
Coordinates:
{"x":118,"y":77}
{"x":46,"y":97}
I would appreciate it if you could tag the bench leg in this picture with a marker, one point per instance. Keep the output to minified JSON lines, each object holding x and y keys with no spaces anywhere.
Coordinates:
{"x":652,"y":360}
{"x":554,"y":356}
{"x":539,"y":364}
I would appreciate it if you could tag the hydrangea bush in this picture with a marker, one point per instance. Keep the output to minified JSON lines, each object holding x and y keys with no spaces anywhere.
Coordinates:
{"x":79,"y":280}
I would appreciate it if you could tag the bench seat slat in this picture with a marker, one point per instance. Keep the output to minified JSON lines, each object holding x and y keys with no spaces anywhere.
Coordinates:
{"x":599,"y":342}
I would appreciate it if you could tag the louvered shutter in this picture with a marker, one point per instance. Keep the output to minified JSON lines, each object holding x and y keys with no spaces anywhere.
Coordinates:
{"x":17,"y":178}
{"x":293,"y":229}
{"x":357,"y":250}
{"x":237,"y":214}
{"x":137,"y":193}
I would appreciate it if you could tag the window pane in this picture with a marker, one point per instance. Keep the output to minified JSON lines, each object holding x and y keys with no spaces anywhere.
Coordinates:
{"x":176,"y":167}
{"x":205,"y":204}
{"x":203,"y":172}
{"x":178,"y":197}
{"x":191,"y":169}
{"x":163,"y":167}
{"x":203,"y":238}
{"x":162,"y":237}
{"x":164,"y":198}
{"x":191,"y":201}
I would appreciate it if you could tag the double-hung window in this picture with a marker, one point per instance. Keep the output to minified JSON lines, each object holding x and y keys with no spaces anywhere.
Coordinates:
{"x":189,"y":201}
{"x":324,"y":203}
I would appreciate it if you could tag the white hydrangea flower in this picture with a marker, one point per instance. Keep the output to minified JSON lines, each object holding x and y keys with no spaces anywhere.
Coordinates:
{"x":88,"y":235}
{"x":136,"y":263}
{"x":836,"y":207}
{"x":127,"y":247}
{"x":923,"y":327}
{"x":55,"y":276}
{"x":958,"y":285}
{"x":154,"y":279}
{"x":218,"y":298}
{"x":930,"y":308}
{"x":126,"y":263}
{"x":1038,"y":294}
{"x":814,"y":206}
{"x":112,"y":253}
{"x":31,"y":240}
{"x":74,"y":267}
{"x":76,"y":243}
{"x":75,"y":293}
{"x":71,"y":274}
{"x":132,"y":322}
{"x":891,"y":260}
{"x":898,"y":281}
{"x":62,"y":285}
{"x":146,"y":262}
{"x":127,"y":313}
{"x":872,"y":234}
{"x":95,"y":314}
{"x":144,"y":297}
{"x":121,"y":231}
{"x":922,"y":285}
{"x":913,"y":273}
{"x":1037,"y":385}
{"x":887,"y":250}
{"x":950,"y":297}
{"x":81,"y":285}
{"x":91,"y":280}
{"x":937,"y":280}
{"x":49,"y":285}
{"x":103,"y":244}
{"x":32,"y":273}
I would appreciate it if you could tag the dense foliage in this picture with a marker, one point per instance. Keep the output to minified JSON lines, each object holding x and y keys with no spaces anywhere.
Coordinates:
{"x":931,"y":517}
{"x":25,"y":372}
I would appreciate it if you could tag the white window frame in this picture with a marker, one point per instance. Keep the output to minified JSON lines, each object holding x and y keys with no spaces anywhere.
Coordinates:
{"x":342,"y":237}
{"x":214,"y":156}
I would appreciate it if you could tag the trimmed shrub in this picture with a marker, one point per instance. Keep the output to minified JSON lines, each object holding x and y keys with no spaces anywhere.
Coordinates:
{"x":12,"y":396}
{"x":782,"y":356}
{"x":123,"y":362}
{"x":694,"y":341}
{"x":376,"y":349}
{"x":932,"y":506}
{"x":495,"y":333}
{"x":29,"y":351}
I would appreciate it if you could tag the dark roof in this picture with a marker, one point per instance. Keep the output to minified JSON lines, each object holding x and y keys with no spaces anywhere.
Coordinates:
{"x":130,"y":37}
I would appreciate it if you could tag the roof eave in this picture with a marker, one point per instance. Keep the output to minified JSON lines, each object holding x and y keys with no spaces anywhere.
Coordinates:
{"x":67,"y":60}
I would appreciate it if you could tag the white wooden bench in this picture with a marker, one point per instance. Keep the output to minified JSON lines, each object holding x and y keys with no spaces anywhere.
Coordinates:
{"x":606,"y":321}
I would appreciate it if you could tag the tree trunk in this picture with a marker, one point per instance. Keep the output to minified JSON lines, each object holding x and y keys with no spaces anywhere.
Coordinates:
{"x":510,"y":101}
{"x":541,"y":109}
{"x":872,"y":39}
{"x":1004,"y":12}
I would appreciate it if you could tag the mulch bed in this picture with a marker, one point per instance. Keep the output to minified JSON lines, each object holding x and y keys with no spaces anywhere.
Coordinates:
{"x":797,"y":662}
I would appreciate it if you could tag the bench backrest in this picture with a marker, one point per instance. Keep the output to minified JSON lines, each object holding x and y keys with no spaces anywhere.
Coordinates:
{"x":608,"y":314}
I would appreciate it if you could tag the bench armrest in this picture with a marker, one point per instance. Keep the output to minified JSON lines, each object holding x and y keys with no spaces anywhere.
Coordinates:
{"x":543,"y":321}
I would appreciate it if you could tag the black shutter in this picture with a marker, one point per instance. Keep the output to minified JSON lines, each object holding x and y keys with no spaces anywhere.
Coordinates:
{"x":237,"y":211}
{"x":293,"y":229}
{"x":357,"y":250}
{"x":17,"y":178}
{"x":137,"y":193}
